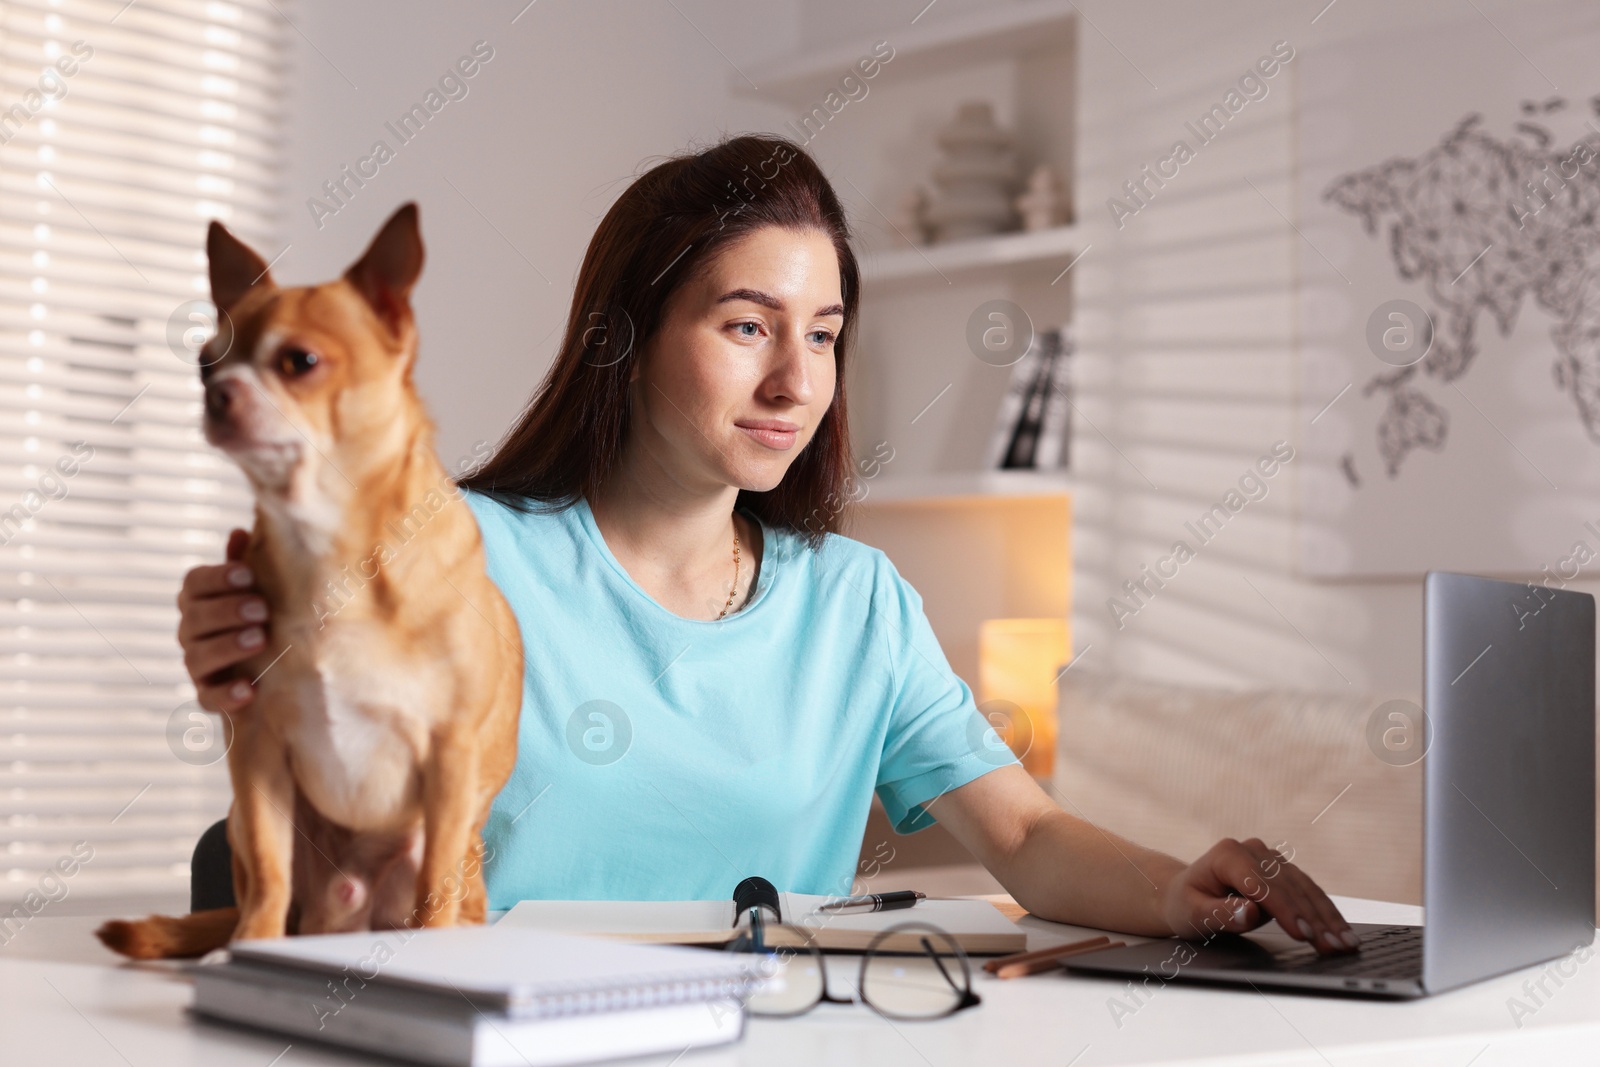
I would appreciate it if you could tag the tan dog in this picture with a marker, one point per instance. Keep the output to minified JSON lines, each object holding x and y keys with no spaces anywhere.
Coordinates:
{"x":385,"y":716}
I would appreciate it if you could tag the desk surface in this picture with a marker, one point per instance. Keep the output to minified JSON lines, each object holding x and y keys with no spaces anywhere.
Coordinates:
{"x":66,"y":999}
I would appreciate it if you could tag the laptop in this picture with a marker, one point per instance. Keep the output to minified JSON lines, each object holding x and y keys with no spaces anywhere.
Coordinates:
{"x":1508,"y":875}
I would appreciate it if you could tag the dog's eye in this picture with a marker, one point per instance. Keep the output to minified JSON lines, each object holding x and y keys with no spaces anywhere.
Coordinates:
{"x":294,"y":362}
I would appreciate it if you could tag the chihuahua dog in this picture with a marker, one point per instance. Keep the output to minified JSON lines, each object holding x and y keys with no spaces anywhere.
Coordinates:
{"x":381,"y":731}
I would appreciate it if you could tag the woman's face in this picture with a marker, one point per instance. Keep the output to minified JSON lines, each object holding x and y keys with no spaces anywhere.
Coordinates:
{"x":742,"y":368}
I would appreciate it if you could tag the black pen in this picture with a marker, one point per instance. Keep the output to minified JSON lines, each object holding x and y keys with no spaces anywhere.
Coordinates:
{"x":873,"y":902}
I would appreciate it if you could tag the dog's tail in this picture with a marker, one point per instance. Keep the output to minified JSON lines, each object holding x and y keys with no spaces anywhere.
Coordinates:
{"x":165,"y":937}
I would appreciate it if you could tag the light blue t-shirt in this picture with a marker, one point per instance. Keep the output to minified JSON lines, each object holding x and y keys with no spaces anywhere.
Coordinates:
{"x":664,"y":758}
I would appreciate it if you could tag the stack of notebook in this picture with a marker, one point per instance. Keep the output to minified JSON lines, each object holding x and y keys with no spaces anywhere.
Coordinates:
{"x":479,"y":996}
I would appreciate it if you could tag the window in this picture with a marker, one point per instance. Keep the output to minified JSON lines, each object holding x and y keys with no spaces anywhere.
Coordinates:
{"x":124,"y":129}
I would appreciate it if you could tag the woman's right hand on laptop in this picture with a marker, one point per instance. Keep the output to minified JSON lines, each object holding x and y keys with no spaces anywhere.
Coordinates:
{"x":222,"y":622}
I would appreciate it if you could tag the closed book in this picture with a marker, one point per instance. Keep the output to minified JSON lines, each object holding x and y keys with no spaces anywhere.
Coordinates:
{"x":481,"y":996}
{"x":1030,"y":423}
{"x":1056,"y":428}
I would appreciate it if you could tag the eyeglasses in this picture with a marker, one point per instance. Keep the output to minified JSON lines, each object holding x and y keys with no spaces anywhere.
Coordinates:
{"x":912,"y":970}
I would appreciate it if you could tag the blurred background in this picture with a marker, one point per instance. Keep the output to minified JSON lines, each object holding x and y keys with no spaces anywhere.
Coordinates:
{"x":1193,"y":335}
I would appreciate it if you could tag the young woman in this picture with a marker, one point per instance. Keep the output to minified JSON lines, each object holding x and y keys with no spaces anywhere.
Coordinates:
{"x":717,"y":679}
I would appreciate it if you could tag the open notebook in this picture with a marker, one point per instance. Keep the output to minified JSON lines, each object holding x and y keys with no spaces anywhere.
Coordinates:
{"x":976,"y":925}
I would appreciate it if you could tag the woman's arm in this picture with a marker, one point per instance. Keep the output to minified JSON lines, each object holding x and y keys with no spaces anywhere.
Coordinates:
{"x":1063,"y":868}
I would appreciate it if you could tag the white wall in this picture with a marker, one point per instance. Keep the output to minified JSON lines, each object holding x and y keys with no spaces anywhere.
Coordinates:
{"x":1186,"y":325}
{"x":513,"y":177}
{"x":1185,"y":316}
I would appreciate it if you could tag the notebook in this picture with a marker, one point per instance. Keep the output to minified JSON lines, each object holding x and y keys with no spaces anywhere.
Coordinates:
{"x":976,"y":925}
{"x":475,"y":996}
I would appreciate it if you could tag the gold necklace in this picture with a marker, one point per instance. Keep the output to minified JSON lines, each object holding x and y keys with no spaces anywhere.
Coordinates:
{"x":735,"y":588}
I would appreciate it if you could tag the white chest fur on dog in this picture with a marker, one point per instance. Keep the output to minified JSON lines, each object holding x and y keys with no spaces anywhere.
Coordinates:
{"x":361,"y":728}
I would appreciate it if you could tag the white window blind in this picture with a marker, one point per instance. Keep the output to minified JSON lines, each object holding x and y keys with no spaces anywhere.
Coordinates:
{"x":124,"y":128}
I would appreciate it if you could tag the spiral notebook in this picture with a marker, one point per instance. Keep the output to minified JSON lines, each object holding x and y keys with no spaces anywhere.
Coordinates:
{"x":478,"y":996}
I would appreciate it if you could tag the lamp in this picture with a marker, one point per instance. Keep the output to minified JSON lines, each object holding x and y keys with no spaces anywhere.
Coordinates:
{"x":1018,"y":660}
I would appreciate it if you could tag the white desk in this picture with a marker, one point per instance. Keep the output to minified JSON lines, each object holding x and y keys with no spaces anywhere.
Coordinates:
{"x":66,"y":1000}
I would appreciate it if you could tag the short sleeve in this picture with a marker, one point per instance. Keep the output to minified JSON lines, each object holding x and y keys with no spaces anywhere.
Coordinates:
{"x":937,"y":739}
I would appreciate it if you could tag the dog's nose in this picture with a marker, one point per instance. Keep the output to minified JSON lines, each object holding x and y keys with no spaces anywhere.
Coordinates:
{"x":221,"y":396}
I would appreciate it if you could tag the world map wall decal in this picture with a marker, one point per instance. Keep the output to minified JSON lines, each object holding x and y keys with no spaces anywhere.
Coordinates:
{"x":1444,"y":180}
{"x":1486,"y":224}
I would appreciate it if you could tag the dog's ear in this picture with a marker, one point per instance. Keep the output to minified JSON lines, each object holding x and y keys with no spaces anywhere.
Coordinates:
{"x":389,"y":268}
{"x":235,"y":269}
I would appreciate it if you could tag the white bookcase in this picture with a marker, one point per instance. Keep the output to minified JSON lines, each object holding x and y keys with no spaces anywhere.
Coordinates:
{"x":913,"y":381}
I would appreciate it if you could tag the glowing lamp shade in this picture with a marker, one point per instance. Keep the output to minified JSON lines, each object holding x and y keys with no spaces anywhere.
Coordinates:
{"x":1018,"y":660}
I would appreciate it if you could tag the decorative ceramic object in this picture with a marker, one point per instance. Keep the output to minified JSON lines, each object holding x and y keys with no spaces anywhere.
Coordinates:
{"x":974,"y":181}
{"x":1043,"y":205}
{"x":911,"y":215}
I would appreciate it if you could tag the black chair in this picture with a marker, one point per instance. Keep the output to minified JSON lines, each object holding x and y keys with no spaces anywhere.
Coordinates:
{"x":211,"y":870}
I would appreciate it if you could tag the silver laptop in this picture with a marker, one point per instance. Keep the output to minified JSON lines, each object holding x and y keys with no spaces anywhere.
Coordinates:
{"x":1508,"y":808}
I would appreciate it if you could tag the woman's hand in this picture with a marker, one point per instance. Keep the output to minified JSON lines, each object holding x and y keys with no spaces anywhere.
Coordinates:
{"x":1068,"y":870}
{"x":222,"y":623}
{"x":1205,"y":897}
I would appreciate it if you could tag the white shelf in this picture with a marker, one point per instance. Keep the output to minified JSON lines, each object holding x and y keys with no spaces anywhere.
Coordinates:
{"x":967,"y":485}
{"x":1042,"y":249}
{"x":932,"y":44}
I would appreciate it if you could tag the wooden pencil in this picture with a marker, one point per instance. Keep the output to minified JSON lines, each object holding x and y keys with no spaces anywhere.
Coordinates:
{"x":1008,"y":966}
{"x":1019,"y":970}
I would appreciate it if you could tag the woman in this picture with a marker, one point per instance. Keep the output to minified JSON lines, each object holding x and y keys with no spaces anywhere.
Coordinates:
{"x":717,"y":680}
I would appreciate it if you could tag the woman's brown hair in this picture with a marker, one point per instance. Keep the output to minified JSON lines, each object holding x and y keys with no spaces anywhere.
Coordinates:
{"x":663,"y":229}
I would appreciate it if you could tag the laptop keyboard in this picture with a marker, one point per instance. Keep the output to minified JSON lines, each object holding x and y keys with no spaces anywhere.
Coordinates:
{"x":1391,"y":952}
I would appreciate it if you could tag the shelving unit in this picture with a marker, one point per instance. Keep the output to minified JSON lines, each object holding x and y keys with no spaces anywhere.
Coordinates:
{"x":999,"y":32}
{"x":913,"y":381}
{"x":1035,"y":252}
{"x":967,"y":486}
